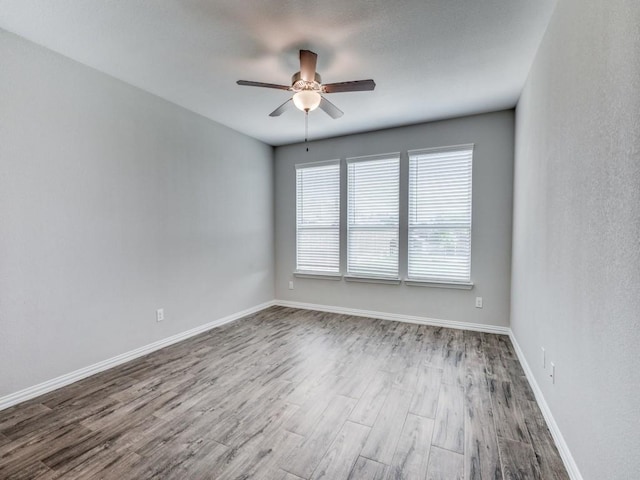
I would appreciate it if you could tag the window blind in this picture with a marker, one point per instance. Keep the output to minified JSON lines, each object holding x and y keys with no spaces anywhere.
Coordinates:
{"x":440,"y":214}
{"x":318,"y":217}
{"x":372,"y":216}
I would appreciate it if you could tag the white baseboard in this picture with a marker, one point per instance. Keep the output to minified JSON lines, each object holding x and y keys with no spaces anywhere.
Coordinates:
{"x":563,"y":448}
{"x":476,"y":327}
{"x":55,"y":383}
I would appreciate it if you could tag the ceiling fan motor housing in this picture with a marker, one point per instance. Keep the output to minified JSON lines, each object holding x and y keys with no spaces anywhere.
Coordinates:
{"x":298,"y":84}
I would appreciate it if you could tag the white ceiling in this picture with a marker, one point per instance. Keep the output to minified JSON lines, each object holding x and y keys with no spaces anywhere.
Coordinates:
{"x":431,"y":59}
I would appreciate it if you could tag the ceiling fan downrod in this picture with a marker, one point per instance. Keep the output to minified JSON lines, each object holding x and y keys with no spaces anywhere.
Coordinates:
{"x":306,"y":129}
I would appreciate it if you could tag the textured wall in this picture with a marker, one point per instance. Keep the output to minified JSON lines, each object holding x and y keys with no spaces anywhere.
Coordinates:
{"x":491,"y":231}
{"x":576,"y":253}
{"x":114,"y":203}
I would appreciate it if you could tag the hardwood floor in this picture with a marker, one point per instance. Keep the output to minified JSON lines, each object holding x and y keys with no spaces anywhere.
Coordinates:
{"x":290,"y":394}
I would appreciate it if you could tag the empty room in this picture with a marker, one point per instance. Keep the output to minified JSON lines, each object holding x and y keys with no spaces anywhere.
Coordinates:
{"x":295,"y":240}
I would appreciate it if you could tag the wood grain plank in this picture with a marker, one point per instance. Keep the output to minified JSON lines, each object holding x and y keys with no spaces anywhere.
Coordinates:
{"x":449,"y":421}
{"x":406,"y":379}
{"x":35,"y":447}
{"x":343,"y":452}
{"x":445,"y":465}
{"x":289,"y":476}
{"x":367,"y":469}
{"x":24,"y":469}
{"x":547,"y":455}
{"x":92,"y":445}
{"x":303,"y":460}
{"x":199,"y":460}
{"x":106,"y":465}
{"x":373,"y":398}
{"x":386,"y":431}
{"x":507,"y":350}
{"x":48,"y":475}
{"x":19,"y":413}
{"x":481,"y":452}
{"x":509,"y":418}
{"x":519,"y":460}
{"x":259,"y":461}
{"x":473,"y":347}
{"x":314,"y":407}
{"x":412,"y":453}
{"x":495,"y":365}
{"x":453,"y":366}
{"x":425,"y":400}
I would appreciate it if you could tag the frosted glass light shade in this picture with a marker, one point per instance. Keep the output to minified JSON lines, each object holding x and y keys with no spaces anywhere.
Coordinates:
{"x":307,"y":100}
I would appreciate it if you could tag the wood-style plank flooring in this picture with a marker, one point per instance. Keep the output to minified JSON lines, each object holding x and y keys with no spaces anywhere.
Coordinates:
{"x":289,"y":394}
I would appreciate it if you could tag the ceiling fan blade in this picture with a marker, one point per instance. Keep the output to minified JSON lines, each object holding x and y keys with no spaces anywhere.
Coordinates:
{"x":353,"y":86}
{"x":248,"y":83}
{"x":330,"y":108}
{"x":308,"y":61}
{"x":282,"y":108}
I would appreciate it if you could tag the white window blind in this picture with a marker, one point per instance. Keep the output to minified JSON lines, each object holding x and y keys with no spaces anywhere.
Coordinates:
{"x":372,"y":216}
{"x":318,"y":217}
{"x":440,"y":214}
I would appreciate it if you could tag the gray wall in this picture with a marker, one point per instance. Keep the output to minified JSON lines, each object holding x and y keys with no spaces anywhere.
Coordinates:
{"x":576,"y":254}
{"x":492,"y":207}
{"x":113,"y":203}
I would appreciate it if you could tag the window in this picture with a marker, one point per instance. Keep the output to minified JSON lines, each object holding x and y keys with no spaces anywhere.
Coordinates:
{"x":318,"y":217}
{"x":372,"y":216}
{"x":440,"y":214}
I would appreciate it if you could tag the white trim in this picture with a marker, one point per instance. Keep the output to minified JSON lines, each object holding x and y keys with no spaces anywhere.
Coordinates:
{"x":55,"y":383}
{"x":451,"y":148}
{"x":371,"y":158}
{"x":318,"y":275}
{"x":561,"y":444}
{"x":395,"y":317}
{"x":372,"y":279}
{"x":438,"y":284}
{"x":322,"y":163}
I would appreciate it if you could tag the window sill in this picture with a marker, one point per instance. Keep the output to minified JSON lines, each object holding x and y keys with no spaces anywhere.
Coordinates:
{"x":387,"y":281}
{"x":318,"y":275}
{"x":436,"y":284}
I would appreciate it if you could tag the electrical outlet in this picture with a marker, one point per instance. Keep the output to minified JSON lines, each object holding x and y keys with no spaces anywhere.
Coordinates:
{"x":290,"y":284}
{"x":160,"y":315}
{"x":543,"y":358}
{"x":478,"y":302}
{"x":552,"y":374}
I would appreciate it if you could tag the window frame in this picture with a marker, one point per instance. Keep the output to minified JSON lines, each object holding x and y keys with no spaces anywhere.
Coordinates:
{"x":466,"y":283}
{"x":369,"y":276}
{"x":337,"y":226}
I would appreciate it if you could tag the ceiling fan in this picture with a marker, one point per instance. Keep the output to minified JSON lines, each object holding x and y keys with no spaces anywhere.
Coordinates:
{"x":308,"y":88}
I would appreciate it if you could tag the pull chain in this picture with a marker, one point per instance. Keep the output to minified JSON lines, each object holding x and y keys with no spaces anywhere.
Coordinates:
{"x":306,"y":129}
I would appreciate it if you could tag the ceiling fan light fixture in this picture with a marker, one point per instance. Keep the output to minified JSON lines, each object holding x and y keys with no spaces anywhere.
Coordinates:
{"x":307,"y":100}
